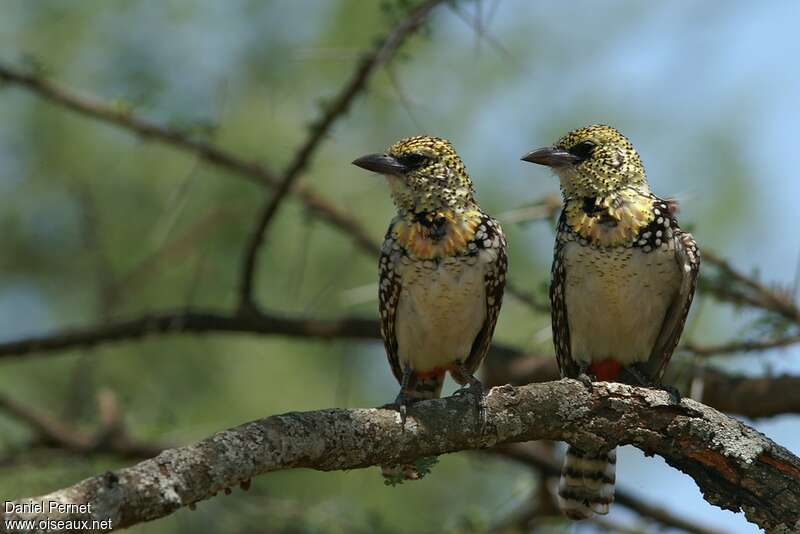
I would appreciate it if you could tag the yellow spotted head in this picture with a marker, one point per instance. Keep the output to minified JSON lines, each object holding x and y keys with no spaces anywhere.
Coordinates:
{"x":424,"y":173}
{"x":593,"y":161}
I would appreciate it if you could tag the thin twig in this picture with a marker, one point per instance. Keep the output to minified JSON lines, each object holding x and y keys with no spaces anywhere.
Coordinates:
{"x":111,"y":437}
{"x":735,"y":347}
{"x":315,"y":204}
{"x":355,"y":86}
{"x":751,"y":291}
{"x":252,"y":171}
{"x":528,"y":298}
{"x":146,"y":129}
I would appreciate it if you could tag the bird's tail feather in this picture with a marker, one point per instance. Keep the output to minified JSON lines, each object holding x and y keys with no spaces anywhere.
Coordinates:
{"x":587,"y":483}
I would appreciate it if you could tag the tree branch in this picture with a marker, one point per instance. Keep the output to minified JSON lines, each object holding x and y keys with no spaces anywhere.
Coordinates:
{"x":111,"y":437}
{"x":356,"y":85}
{"x":748,"y":290}
{"x":191,"y":321}
{"x":752,"y":397}
{"x":756,"y":397}
{"x":740,"y":346}
{"x":253,"y":171}
{"x":735,"y":467}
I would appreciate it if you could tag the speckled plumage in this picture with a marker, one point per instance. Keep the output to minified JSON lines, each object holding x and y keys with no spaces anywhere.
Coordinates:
{"x":623,"y":278}
{"x":442,"y":270}
{"x":439,"y":309}
{"x":442,"y":273}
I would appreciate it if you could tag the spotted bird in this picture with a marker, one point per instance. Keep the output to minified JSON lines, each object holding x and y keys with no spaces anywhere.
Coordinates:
{"x":442,"y":270}
{"x":623,"y":278}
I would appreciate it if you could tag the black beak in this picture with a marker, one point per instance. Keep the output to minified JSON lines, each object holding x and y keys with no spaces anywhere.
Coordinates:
{"x":552,"y":157}
{"x":380,"y":163}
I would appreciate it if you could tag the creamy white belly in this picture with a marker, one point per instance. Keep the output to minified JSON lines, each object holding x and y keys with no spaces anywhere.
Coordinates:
{"x":440,"y":312}
{"x":617,"y":300}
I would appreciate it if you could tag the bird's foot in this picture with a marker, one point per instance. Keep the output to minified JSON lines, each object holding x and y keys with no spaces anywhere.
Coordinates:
{"x":640,"y":375}
{"x":586,"y":380}
{"x":674,"y":394}
{"x":474,"y":387}
{"x":401,"y":402}
{"x":584,"y":377}
{"x":403,"y":399}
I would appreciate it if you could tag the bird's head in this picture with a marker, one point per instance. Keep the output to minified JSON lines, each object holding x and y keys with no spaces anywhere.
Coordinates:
{"x":593,"y":161}
{"x":424,"y":173}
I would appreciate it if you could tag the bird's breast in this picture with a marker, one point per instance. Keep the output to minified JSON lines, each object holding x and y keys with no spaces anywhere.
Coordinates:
{"x":617,"y":299}
{"x":610,"y":221}
{"x":439,"y":235}
{"x":441,"y":309}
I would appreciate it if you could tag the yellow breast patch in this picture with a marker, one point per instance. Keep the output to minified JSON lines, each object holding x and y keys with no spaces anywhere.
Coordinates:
{"x":450,"y":237}
{"x":617,"y":221}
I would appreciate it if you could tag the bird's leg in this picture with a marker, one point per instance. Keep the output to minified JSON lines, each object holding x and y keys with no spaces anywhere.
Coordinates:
{"x":637,"y":372}
{"x":471,"y":385}
{"x":403,"y":400}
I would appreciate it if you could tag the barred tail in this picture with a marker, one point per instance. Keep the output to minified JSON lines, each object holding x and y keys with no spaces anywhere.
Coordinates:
{"x":420,"y":387}
{"x":587,"y":483}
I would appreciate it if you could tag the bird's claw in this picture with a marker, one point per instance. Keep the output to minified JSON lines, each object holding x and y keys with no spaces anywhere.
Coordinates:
{"x":475,"y":388}
{"x":674,"y":393}
{"x":586,"y":380}
{"x":641,"y":377}
{"x":402,"y":402}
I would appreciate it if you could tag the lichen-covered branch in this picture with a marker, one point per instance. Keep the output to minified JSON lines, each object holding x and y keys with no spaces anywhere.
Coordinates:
{"x":736,"y":467}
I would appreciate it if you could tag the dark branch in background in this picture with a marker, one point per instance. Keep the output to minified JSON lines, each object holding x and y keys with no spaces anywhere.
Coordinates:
{"x":192,"y":321}
{"x":315,"y":204}
{"x":752,"y":397}
{"x":146,"y":129}
{"x":761,"y":397}
{"x":748,"y":290}
{"x":356,"y":85}
{"x":735,"y":467}
{"x":111,"y":437}
{"x":533,"y":456}
{"x":745,"y":290}
{"x":253,"y":171}
{"x":735,"y":347}
{"x":530,"y":299}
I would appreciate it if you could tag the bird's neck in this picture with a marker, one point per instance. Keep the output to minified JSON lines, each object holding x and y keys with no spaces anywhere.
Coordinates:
{"x":610,"y":219}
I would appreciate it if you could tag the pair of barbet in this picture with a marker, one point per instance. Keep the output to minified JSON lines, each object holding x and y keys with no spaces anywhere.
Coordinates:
{"x":623,"y":278}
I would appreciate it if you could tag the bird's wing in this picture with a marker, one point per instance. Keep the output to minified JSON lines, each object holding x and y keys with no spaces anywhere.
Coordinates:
{"x":687,"y":256}
{"x":489,"y":238}
{"x":558,"y":305}
{"x":388,"y":297}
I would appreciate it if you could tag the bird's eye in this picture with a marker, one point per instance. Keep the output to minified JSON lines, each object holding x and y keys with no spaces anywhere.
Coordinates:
{"x":583,"y":149}
{"x":413,"y":160}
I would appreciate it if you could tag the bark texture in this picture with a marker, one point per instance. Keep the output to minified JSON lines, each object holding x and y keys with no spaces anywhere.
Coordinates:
{"x":736,"y":467}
